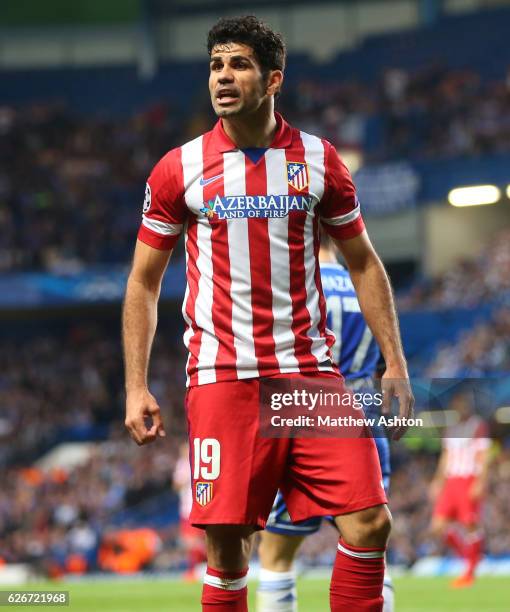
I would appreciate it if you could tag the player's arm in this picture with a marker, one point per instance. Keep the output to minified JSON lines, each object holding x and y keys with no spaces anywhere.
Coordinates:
{"x":376,"y":301}
{"x":341,"y":218}
{"x":437,"y":481}
{"x":164,"y":213}
{"x":375,"y":298}
{"x":139,"y":320}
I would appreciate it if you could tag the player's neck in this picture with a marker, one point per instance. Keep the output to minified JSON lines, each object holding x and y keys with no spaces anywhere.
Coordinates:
{"x":256,"y":130}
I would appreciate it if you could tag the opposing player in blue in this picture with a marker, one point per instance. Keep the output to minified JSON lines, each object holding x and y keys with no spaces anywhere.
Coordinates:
{"x":356,"y":353}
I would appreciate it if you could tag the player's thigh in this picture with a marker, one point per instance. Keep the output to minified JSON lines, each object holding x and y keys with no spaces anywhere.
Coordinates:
{"x":277,"y":551}
{"x":235,"y":472}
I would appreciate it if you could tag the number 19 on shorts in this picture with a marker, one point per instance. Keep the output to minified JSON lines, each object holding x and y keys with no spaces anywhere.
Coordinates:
{"x":206,"y":458}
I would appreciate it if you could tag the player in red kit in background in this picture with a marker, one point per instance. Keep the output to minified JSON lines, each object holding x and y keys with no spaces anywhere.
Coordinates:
{"x":250,"y":196}
{"x":459,"y":486}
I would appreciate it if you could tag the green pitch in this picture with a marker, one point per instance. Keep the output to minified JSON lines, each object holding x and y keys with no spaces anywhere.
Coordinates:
{"x":489,"y":594}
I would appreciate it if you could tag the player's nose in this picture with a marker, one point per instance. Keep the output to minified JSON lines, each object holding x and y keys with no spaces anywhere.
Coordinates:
{"x":226,"y":75}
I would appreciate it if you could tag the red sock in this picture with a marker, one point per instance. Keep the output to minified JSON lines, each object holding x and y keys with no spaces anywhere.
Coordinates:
{"x":357,"y":580}
{"x":225,"y":591}
{"x":454,"y":540}
{"x":474,"y":550}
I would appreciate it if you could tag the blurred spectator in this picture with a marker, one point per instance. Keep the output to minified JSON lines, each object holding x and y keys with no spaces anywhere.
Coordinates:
{"x":70,"y":385}
{"x":467,"y":283}
{"x":71,"y":189}
{"x":483,"y":351}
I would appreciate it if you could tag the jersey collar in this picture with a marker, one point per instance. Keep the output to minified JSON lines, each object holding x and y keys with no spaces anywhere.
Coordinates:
{"x":281,"y":140}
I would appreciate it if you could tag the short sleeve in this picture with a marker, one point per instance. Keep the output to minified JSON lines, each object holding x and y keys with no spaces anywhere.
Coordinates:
{"x":164,"y":209}
{"x":339,"y":208}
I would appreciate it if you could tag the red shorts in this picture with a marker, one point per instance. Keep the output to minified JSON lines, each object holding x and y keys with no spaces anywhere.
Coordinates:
{"x":236,"y":472}
{"x":455,"y":503}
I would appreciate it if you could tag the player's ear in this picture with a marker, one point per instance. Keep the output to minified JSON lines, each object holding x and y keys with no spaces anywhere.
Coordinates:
{"x":274,"y":82}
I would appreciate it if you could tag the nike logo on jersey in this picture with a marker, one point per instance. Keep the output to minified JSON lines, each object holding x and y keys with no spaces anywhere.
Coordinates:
{"x":210,"y":180}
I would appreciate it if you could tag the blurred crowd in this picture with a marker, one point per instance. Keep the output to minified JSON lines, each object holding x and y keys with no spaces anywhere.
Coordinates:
{"x":479,"y":352}
{"x":432,"y":113}
{"x":70,"y":385}
{"x":63,"y":519}
{"x":71,"y":188}
{"x":472,"y":280}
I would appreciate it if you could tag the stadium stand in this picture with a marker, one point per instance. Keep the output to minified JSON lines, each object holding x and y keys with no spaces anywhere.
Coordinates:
{"x":468,"y":283}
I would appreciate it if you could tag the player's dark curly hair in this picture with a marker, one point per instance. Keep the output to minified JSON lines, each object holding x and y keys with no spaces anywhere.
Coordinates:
{"x":268,"y":46}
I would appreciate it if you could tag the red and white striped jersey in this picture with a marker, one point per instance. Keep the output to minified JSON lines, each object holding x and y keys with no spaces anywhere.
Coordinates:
{"x":465,"y":443}
{"x":253,"y":304}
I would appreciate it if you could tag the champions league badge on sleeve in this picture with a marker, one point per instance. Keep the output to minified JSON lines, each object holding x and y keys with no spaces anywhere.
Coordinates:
{"x":297,"y":175}
{"x":147,"y":199}
{"x":203,"y":492}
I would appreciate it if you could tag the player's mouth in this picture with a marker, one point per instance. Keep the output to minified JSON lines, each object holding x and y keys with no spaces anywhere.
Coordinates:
{"x":226,"y":96}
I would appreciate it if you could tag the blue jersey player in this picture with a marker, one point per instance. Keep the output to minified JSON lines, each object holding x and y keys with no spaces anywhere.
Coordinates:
{"x":357,"y":354}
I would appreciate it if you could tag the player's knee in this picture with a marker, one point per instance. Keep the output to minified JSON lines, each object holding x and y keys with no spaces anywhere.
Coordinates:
{"x":229,"y":546}
{"x":378,"y":527}
{"x":372,"y":527}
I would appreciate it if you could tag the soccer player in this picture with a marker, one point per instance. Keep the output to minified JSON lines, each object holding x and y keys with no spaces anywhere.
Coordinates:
{"x":459,"y":486}
{"x":356,"y":353}
{"x":250,"y":195}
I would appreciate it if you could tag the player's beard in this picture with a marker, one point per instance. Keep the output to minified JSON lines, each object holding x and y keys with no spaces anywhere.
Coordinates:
{"x":228,"y":112}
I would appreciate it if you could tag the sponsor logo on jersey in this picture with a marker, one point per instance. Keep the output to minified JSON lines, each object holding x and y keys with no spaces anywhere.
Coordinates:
{"x":210,"y":180}
{"x":262,"y":207}
{"x":298,"y":175}
{"x":203,"y":492}
{"x":147,"y":199}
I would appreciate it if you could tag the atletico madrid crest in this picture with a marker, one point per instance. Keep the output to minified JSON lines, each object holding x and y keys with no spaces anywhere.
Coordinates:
{"x":203,"y":492}
{"x":297,"y":175}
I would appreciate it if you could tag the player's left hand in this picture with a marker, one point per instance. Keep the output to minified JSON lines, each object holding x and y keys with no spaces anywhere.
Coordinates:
{"x":395,"y":383}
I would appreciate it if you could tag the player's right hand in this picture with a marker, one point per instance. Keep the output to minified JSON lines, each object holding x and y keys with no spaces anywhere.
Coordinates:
{"x":434,"y":489}
{"x":141,"y":406}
